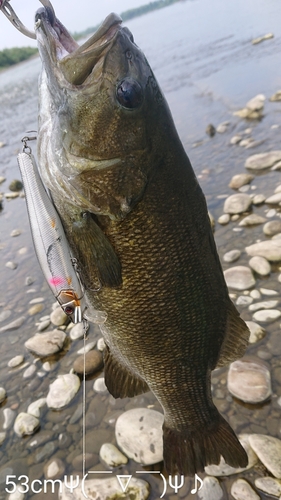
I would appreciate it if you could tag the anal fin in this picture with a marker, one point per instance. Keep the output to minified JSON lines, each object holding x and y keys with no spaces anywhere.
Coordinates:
{"x":120,"y":381}
{"x":236,"y":338}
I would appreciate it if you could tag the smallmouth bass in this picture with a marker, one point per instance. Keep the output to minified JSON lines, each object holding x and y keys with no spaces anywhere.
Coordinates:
{"x":137,"y":222}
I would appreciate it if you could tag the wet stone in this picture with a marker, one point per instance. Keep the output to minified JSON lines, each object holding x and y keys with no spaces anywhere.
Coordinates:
{"x":77,"y":462}
{"x":5,"y":314}
{"x":77,"y":331}
{"x":29,"y":372}
{"x":269,"y":485}
{"x":9,"y":417}
{"x":139,"y":435}
{"x":270,"y":250}
{"x":41,"y":438}
{"x":256,"y":332}
{"x":45,"y":344}
{"x":232,"y":256}
{"x":239,"y":278}
{"x":224,"y":219}
{"x":268,"y":292}
{"x":252,"y":220}
{"x":211,"y":489}
{"x":267,"y":315}
{"x":14,"y":325}
{"x":54,"y":468}
{"x":34,"y":408}
{"x":268,"y":450}
{"x":258,"y":199}
{"x":249,"y":381}
{"x":274,"y":199}
{"x":260,"y":265}
{"x":272,"y":227}
{"x":265,"y":304}
{"x":240,"y":180}
{"x":25,"y":424}
{"x":244,"y":300}
{"x":93,"y":362}
{"x":3,"y":394}
{"x":58,"y":317}
{"x":63,"y":390}
{"x":255,"y":294}
{"x":11,"y":265}
{"x":112,"y":456}
{"x":88,"y":347}
{"x":45,"y":452}
{"x":16,"y":361}
{"x":242,"y":490}
{"x":15,"y":232}
{"x":271,"y":213}
{"x":43,"y":325}
{"x":16,"y":185}
{"x":109,"y":489}
{"x":263,"y":160}
{"x":237,"y":203}
{"x":99,"y":386}
{"x":223,"y":469}
{"x":101,"y":344}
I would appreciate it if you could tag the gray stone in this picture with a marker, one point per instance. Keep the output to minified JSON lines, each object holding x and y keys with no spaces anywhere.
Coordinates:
{"x":112,"y":456}
{"x":5,"y":314}
{"x":256,"y":332}
{"x":274,"y":199}
{"x":231,"y":256}
{"x":252,"y":220}
{"x":265,"y":304}
{"x":237,"y":203}
{"x":256,"y":103}
{"x":14,"y":325}
{"x":223,"y":469}
{"x":45,"y":452}
{"x":276,"y":96}
{"x":16,"y":361}
{"x":263,"y":160}
{"x":267,"y":315}
{"x":268,"y":450}
{"x":89,"y":363}
{"x":241,"y":490}
{"x":25,"y":424}
{"x":45,"y":344}
{"x":272,"y":227}
{"x":249,"y":380}
{"x":269,"y":485}
{"x":77,"y":331}
{"x":127,"y":488}
{"x":260,"y":265}
{"x":240,"y":180}
{"x":43,"y":325}
{"x":63,"y":390}
{"x":239,"y":278}
{"x":211,"y":489}
{"x":270,"y":250}
{"x":139,"y":435}
{"x":258,"y":199}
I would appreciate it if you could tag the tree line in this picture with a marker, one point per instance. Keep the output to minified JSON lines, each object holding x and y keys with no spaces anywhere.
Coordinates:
{"x":8,"y":57}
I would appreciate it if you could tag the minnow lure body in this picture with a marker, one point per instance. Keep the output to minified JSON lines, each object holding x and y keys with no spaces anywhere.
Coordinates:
{"x":51,"y":246}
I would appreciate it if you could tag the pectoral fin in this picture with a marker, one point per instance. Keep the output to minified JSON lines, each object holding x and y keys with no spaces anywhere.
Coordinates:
{"x":119,"y":380}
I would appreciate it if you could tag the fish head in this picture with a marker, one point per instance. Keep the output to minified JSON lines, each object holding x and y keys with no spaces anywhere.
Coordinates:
{"x":98,"y":118}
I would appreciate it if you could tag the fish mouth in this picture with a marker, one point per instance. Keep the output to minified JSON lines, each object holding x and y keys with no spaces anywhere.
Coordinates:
{"x":76,"y":62}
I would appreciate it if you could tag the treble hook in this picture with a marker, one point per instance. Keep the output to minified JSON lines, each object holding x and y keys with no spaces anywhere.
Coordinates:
{"x":9,"y":12}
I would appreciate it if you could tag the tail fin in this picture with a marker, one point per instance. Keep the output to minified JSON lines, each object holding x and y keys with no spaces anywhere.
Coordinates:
{"x":189,"y":452}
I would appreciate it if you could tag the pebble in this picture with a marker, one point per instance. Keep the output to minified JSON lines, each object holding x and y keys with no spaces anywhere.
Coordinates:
{"x":88,"y":347}
{"x":222,"y":127}
{"x":35,"y":309}
{"x":34,"y":408}
{"x":11,"y":265}
{"x":258,"y":199}
{"x":77,"y":331}
{"x":109,"y":489}
{"x":252,"y":220}
{"x":267,"y":315}
{"x":255,"y":294}
{"x":240,"y":180}
{"x":9,"y":417}
{"x":16,"y":495}
{"x":112,"y":456}
{"x":54,"y":468}
{"x":99,"y":386}
{"x":249,"y":380}
{"x":210,"y":130}
{"x":16,"y":361}
{"x":38,"y":300}
{"x":63,"y":390}
{"x":237,"y":203}
{"x":271,"y":213}
{"x":274,"y":199}
{"x":239,"y":278}
{"x":265,"y":304}
{"x":16,"y":185}
{"x":45,"y":344}
{"x":263,"y":160}
{"x":257,"y":332}
{"x":272,"y":227}
{"x":11,"y":196}
{"x":260,"y":39}
{"x":28,"y":281}
{"x":15,"y":232}
{"x":268,"y":292}
{"x":210,"y":490}
{"x":241,"y":490}
{"x":256,"y":103}
{"x":268,"y":450}
{"x":43,"y":325}
{"x":2,"y":179}
{"x":29,"y":372}
{"x":3,"y":394}
{"x":45,"y":452}
{"x":39,"y":439}
{"x":25,"y":424}
{"x":260,"y":265}
{"x":276,"y":166}
{"x":5,"y":314}
{"x":223,"y":469}
{"x":139,"y":435}
{"x":231,"y":256}
{"x":269,"y":485}
{"x":236,"y":139}
{"x":58,"y":317}
{"x":101,"y":344}
{"x":244,"y":300}
{"x":2,"y":437}
{"x":224,"y":219}
{"x":93,"y":362}
{"x":270,"y":250}
{"x":276,"y":96}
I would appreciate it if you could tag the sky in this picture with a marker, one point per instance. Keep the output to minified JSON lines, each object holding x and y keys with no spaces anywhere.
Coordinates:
{"x":75,"y":15}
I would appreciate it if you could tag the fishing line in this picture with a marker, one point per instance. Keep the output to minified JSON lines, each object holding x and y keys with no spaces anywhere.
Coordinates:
{"x":85,"y":328}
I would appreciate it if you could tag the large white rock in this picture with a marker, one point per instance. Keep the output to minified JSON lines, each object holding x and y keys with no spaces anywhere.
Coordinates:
{"x":237,"y":203}
{"x":260,"y":265}
{"x":269,"y":249}
{"x":62,"y":390}
{"x":249,"y":380}
{"x":34,"y":408}
{"x":112,"y":456}
{"x":263,"y":160}
{"x":239,"y":278}
{"x":139,"y":434}
{"x":210,"y":490}
{"x":264,"y":304}
{"x":126,"y":488}
{"x":25,"y":424}
{"x":269,"y":485}
{"x":45,"y":344}
{"x":268,"y":450}
{"x":267,"y":315}
{"x":242,"y":490}
{"x":252,"y":220}
{"x":223,"y":469}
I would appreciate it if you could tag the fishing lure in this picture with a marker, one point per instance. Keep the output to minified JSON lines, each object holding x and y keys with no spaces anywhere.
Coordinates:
{"x":50,"y":243}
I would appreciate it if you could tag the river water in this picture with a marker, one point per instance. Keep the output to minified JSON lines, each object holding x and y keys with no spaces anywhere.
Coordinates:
{"x":202,"y":56}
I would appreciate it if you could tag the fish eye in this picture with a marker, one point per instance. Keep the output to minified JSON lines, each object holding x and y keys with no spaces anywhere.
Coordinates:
{"x":129,"y":93}
{"x":68,"y":310}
